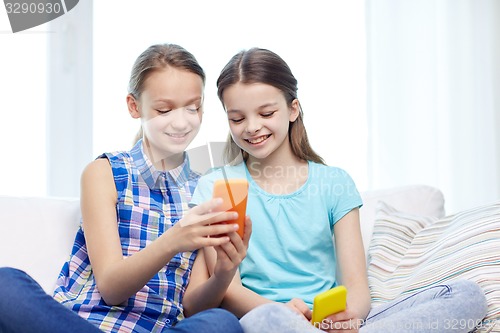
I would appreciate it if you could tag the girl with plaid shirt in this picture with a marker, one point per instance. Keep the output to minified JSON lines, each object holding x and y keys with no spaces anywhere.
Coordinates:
{"x":132,"y":257}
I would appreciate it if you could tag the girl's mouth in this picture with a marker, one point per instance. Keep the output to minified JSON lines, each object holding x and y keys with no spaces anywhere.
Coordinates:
{"x":177,"y":135}
{"x":258,"y":140}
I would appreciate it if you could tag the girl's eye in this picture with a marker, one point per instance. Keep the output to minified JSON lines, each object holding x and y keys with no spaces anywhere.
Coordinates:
{"x":163,"y":111}
{"x":193,"y":108}
{"x":268,"y":114}
{"x":236,"y":120}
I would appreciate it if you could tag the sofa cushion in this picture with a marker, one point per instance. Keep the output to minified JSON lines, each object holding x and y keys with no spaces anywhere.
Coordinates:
{"x":418,"y":199}
{"x":409,"y":252}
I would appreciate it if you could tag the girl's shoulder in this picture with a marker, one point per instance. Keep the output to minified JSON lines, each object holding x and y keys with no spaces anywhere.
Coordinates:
{"x":225,"y":172}
{"x":121,"y":164}
{"x":120,"y":161}
{"x":96,"y":169}
{"x":116,"y":156}
{"x":322,"y":170}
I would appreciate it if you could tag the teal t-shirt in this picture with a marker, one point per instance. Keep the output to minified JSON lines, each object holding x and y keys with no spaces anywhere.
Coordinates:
{"x":291,"y":253}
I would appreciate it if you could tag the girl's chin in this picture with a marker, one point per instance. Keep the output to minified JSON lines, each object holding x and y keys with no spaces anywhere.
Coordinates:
{"x":178,"y":144}
{"x":169,"y":151}
{"x":258,"y":154}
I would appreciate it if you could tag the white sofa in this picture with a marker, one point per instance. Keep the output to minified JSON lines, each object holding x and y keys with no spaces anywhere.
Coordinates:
{"x":36,"y":235}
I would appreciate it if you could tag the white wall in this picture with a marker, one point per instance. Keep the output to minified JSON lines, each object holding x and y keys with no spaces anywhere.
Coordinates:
{"x":430,"y":115}
{"x":91,"y":50}
{"x":323,"y":42}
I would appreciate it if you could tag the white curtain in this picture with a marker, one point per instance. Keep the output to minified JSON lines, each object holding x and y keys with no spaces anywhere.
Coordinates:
{"x":434,"y":97}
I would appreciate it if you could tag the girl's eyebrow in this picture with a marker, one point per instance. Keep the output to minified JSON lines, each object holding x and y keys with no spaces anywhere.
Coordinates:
{"x":268,"y":105}
{"x":263,"y":106}
{"x":167,"y":100}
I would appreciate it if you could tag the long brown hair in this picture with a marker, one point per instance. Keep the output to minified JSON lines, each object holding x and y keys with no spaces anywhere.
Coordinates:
{"x":258,"y":65}
{"x":157,"y":57}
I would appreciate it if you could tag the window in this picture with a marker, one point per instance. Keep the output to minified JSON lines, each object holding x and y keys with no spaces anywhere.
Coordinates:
{"x":24,"y":97}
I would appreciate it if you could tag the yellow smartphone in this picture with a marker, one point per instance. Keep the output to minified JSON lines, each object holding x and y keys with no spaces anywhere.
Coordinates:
{"x":328,"y":302}
{"x":234,"y":193}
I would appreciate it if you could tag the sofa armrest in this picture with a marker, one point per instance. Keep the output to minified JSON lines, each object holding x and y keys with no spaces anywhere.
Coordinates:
{"x":36,"y":235}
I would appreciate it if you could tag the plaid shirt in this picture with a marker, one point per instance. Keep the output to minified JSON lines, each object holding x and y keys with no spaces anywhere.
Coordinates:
{"x":149,"y":203}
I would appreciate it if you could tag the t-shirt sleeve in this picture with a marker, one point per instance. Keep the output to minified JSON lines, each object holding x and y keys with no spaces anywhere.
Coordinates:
{"x":203,"y":191}
{"x":345,"y":196}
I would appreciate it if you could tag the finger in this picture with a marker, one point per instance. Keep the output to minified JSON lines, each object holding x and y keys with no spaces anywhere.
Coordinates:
{"x":248,"y":231}
{"x":300,"y":304}
{"x":237,"y":243}
{"x":302,"y":307}
{"x":218,"y":229}
{"x":231,"y":251}
{"x":340,"y":316}
{"x":214,"y":217}
{"x":341,"y":325}
{"x":221,"y":253}
{"x":214,"y":241}
{"x":207,"y":206}
{"x":218,"y":217}
{"x":227,"y":251}
{"x":308,"y":314}
{"x":207,"y":218}
{"x":235,"y":249}
{"x":293,"y":308}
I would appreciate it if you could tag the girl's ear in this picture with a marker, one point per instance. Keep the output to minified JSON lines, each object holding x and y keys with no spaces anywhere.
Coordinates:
{"x":133,"y":107}
{"x":294,"y":110}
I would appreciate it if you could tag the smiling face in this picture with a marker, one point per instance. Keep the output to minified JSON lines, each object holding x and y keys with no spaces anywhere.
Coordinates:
{"x":170,"y":108}
{"x":259,"y":118}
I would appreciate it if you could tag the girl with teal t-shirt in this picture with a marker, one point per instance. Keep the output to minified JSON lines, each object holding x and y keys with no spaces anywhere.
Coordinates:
{"x":297,"y":203}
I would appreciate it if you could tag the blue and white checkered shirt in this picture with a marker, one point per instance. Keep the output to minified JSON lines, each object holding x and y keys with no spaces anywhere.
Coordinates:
{"x":149,"y":203}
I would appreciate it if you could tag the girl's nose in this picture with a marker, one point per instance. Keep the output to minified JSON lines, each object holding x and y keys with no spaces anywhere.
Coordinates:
{"x":179,"y":119}
{"x":253,"y":126}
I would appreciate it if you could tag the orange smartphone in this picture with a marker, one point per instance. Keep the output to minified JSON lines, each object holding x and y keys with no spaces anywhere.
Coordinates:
{"x":327,"y":303}
{"x":234,"y":193}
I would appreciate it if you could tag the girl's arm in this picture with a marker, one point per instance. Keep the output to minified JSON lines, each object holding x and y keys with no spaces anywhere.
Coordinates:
{"x":214,"y":278}
{"x":240,"y":300}
{"x":235,"y":297}
{"x":352,"y":263}
{"x":231,"y":295}
{"x":119,"y":278}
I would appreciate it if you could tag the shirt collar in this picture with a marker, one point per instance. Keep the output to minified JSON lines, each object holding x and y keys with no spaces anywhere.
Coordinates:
{"x":154,"y":178}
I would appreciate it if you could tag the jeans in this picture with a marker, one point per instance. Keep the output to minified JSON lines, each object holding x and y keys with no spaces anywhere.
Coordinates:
{"x":26,"y":308}
{"x":455,"y":307}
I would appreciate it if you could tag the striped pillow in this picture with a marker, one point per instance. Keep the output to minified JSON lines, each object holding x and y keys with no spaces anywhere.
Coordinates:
{"x":409,"y":252}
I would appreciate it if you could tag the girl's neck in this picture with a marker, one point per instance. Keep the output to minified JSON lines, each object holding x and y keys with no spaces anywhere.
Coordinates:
{"x":289,"y":160}
{"x":279,"y":175}
{"x":162,"y":161}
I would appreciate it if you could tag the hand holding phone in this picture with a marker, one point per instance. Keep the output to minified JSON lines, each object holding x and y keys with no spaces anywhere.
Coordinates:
{"x":234,"y":193}
{"x":328,"y":303}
